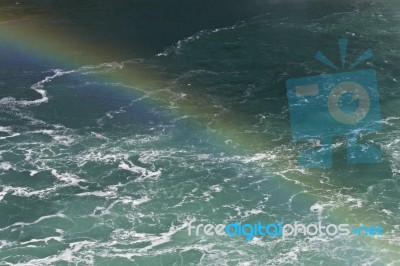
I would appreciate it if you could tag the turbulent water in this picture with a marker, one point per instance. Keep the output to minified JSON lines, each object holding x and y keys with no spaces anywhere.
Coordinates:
{"x":105,"y":163}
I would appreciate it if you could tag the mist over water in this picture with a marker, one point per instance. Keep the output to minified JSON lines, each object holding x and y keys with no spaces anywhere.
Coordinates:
{"x":168,"y":111}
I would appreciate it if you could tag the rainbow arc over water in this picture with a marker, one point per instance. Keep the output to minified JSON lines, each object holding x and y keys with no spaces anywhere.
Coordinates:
{"x":62,"y":48}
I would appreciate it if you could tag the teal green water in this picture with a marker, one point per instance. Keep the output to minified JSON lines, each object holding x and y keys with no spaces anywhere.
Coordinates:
{"x":96,"y":171}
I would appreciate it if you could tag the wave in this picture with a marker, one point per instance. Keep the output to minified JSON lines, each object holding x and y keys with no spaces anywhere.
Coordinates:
{"x":38,"y":88}
{"x":181,"y":44}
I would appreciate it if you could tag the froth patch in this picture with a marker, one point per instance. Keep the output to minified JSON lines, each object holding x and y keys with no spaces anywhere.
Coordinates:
{"x":143,"y":172}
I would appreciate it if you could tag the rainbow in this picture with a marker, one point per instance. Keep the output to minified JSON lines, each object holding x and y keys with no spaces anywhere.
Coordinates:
{"x":55,"y":45}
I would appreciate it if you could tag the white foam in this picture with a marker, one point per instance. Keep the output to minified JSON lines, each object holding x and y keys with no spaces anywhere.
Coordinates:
{"x":99,"y":136}
{"x":10,"y":136}
{"x":136,"y":201}
{"x":144,"y":173}
{"x":59,"y":135}
{"x":45,"y":240}
{"x":162,"y":238}
{"x":39,"y":88}
{"x":149,"y":156}
{"x":96,"y":155}
{"x":216,"y":188}
{"x":45,"y":217}
{"x":25,"y":192}
{"x":5,"y":243}
{"x":176,"y":48}
{"x":253,"y":212}
{"x":67,"y":178}
{"x":69,"y":255}
{"x":111,"y":192}
{"x":357,"y":203}
{"x":102,"y":194}
{"x":260,"y":156}
{"x":33,"y":172}
{"x":102,"y":68}
{"x":6,"y":166}
{"x":387,"y":212}
{"x":6,"y":130}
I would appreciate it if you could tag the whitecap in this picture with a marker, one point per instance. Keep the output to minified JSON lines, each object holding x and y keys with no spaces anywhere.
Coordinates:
{"x":67,"y":178}
{"x":6,"y":166}
{"x":144,"y":173}
{"x":216,"y":188}
{"x":38,"y":88}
